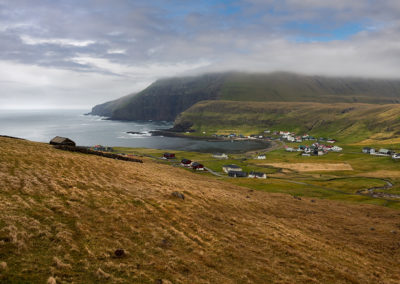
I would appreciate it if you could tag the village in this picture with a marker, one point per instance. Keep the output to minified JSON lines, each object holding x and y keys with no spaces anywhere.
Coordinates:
{"x":319,"y":146}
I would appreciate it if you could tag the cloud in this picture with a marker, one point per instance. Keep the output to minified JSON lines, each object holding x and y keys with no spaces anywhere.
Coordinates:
{"x":57,"y":41}
{"x":105,"y":50}
{"x":116,"y":51}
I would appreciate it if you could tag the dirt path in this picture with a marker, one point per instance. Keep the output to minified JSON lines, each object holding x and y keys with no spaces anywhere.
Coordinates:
{"x":212,"y":172}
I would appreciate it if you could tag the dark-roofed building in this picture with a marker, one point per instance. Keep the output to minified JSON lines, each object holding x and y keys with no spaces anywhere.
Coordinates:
{"x":233,"y":168}
{"x":169,"y":156}
{"x":197,"y":166}
{"x":237,"y":174}
{"x":186,"y":162}
{"x":62,"y":141}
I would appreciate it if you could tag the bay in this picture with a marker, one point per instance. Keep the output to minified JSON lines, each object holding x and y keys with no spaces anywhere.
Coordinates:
{"x":87,"y":130}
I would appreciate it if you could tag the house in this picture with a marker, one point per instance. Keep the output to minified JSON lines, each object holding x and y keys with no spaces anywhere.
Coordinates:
{"x":290,"y":149}
{"x":231,"y":168}
{"x":261,"y":157}
{"x":385,"y":152}
{"x":220,"y":156}
{"x":336,"y":149}
{"x":186,"y":162}
{"x":290,"y":138}
{"x":396,"y":156}
{"x":168,"y":156}
{"x":366,"y":150}
{"x":331,"y":141}
{"x":197,"y":166}
{"x":237,"y":174}
{"x":257,"y":175}
{"x":62,"y":141}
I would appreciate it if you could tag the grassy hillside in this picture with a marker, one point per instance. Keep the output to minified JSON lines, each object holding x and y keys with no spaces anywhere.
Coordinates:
{"x":165,"y":99}
{"x":290,"y":87}
{"x":347,"y":122}
{"x":64,"y":214}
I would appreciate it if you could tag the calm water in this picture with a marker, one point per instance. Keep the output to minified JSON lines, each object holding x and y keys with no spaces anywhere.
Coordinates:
{"x":85,"y":130}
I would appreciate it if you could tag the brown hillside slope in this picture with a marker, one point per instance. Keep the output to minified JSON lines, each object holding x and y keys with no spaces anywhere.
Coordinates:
{"x":64,"y":214}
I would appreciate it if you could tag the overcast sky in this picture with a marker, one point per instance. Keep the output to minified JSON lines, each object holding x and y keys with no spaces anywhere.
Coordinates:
{"x":77,"y":53}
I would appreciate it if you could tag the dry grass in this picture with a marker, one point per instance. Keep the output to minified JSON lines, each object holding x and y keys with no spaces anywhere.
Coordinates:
{"x":64,"y":214}
{"x":382,"y":174}
{"x":311,"y":167}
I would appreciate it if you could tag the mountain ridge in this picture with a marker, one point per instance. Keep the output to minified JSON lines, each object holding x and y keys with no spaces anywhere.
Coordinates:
{"x":165,"y":99}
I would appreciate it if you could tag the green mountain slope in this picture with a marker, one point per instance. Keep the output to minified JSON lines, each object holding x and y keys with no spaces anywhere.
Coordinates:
{"x":348,"y":122}
{"x":165,"y":99}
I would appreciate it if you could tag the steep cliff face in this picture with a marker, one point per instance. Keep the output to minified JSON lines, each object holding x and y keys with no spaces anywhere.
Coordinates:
{"x":166,"y":99}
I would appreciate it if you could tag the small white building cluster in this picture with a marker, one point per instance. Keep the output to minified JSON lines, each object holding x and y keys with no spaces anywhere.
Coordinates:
{"x":381,"y":152}
{"x":315,"y":149}
{"x":237,"y":172}
{"x":292,"y":137}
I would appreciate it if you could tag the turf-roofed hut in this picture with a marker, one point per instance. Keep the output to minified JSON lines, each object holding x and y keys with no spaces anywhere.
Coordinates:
{"x":62,"y":141}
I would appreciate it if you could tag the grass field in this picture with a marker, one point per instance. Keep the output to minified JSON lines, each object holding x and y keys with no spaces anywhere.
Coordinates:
{"x":336,"y":176}
{"x":63,"y":216}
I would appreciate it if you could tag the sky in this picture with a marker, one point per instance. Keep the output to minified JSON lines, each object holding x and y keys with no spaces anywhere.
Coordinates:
{"x":78,"y":53}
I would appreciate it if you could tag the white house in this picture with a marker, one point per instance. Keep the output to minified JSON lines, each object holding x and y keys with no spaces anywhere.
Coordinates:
{"x":336,"y":149}
{"x":231,"y":168}
{"x":385,"y":152}
{"x":291,"y":138}
{"x":257,"y":175}
{"x":396,"y":156}
{"x":261,"y":157}
{"x":220,"y":156}
{"x":367,"y":150}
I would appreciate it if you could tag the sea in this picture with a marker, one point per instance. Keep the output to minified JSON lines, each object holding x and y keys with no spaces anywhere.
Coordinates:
{"x":89,"y":130}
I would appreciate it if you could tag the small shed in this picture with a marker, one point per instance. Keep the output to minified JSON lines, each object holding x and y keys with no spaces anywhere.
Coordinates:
{"x":62,"y":141}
